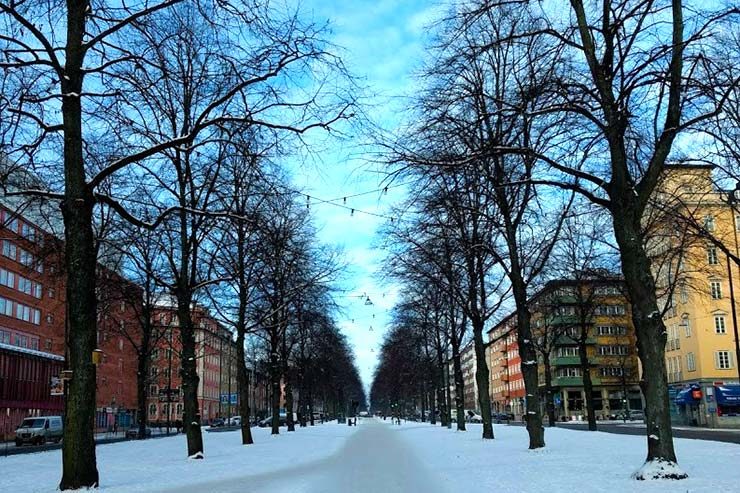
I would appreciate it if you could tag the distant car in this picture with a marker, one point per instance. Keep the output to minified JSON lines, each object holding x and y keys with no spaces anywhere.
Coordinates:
{"x":473,"y":417}
{"x":283,"y":420}
{"x":39,"y":430}
{"x":217,"y":423}
{"x":235,"y":421}
{"x":134,"y":432}
{"x":636,"y":415}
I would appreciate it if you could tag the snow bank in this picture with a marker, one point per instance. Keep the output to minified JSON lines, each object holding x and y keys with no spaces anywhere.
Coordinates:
{"x":159,"y":464}
{"x":573,"y":461}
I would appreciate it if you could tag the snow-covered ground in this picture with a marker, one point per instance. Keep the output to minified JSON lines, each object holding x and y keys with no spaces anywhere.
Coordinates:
{"x":160,"y":464}
{"x":573,"y":461}
{"x":379,"y":457}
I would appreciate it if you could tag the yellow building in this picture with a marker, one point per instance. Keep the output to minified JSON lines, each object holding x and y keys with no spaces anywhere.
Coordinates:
{"x":695,"y":284}
{"x":590,"y":314}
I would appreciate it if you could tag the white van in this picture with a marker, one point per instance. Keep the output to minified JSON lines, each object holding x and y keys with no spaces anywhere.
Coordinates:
{"x":39,"y":430}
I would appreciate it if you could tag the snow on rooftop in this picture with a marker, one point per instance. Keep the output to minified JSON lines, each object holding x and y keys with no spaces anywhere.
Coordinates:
{"x":33,"y":352}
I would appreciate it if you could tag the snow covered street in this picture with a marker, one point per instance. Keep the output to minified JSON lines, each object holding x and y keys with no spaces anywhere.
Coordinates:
{"x":374,"y":459}
{"x":377,"y":457}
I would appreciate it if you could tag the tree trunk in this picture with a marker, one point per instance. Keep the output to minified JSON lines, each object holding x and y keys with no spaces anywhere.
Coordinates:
{"x":651,"y":338}
{"x":141,"y":383}
{"x":79,"y":467}
{"x":190,"y":379}
{"x":459,"y":386}
{"x":441,"y":393}
{"x":549,"y":404}
{"x":531,"y":379}
{"x":275,"y":374}
{"x":289,"y":403}
{"x":481,"y":378}
{"x":448,"y":397}
{"x":242,"y":384}
{"x":588,"y":387}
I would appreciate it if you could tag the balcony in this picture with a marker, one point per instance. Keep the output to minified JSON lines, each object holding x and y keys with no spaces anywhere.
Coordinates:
{"x":566,"y":361}
{"x":573,"y":381}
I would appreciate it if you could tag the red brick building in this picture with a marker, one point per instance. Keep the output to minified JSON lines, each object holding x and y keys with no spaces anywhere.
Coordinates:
{"x":507,"y":380}
{"x":32,"y":329}
{"x":214,"y":347}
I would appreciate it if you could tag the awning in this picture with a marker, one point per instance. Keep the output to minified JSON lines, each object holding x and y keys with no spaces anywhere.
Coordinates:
{"x":685,"y":396}
{"x":728,"y":395}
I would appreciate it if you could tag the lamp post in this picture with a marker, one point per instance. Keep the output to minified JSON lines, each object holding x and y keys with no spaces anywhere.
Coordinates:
{"x":732,"y":200}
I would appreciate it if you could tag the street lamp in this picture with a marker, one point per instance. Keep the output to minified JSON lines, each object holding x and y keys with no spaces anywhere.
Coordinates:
{"x":732,"y":199}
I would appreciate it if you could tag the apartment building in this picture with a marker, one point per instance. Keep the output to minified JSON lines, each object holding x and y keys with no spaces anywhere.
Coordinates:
{"x":506,"y":379}
{"x":591,"y":314}
{"x":214,"y":359}
{"x":697,"y":283}
{"x":32,"y":328}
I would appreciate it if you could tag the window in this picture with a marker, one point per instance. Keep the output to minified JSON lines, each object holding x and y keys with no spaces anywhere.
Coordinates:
{"x":47,"y":345}
{"x":611,"y":371}
{"x":712,"y":255}
{"x":49,"y":318}
{"x":719,"y":325}
{"x":120,"y":344}
{"x":20,"y":341}
{"x":9,"y":249}
{"x":154,"y":371}
{"x":152,"y":409}
{"x":610,"y":310}
{"x":51,"y":293}
{"x":723,"y":360}
{"x":179,"y":409}
{"x":611,"y":330}
{"x":7,"y":278}
{"x":123,"y":306}
{"x":607,"y":290}
{"x":6,"y":307}
{"x":153,"y":390}
{"x":709,"y":222}
{"x":716,"y":289}
{"x":613,"y":350}
{"x":568,"y":351}
{"x":684,"y":293}
{"x":686,"y":326}
{"x":4,"y":337}
{"x":737,"y":222}
{"x":28,"y":232}
{"x":12,"y":224}
{"x":568,"y":372}
{"x":690,"y":362}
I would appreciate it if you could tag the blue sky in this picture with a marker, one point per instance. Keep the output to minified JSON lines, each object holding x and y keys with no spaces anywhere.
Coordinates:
{"x":382,"y":43}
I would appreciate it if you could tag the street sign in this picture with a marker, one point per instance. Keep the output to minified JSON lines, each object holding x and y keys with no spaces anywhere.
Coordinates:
{"x":225,"y":398}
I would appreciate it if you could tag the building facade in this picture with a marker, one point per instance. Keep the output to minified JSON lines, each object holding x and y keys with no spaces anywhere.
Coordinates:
{"x":468,"y":366}
{"x":591,"y":314}
{"x":214,"y":355}
{"x":32,"y":328}
{"x":506,"y":379}
{"x":696,"y":283}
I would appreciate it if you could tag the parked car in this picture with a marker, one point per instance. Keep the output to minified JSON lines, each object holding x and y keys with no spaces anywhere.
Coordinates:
{"x":217,"y":423}
{"x":473,"y":417}
{"x":134,"y":432}
{"x":39,"y":430}
{"x":283,"y":420}
{"x":636,"y":415}
{"x":235,"y":421}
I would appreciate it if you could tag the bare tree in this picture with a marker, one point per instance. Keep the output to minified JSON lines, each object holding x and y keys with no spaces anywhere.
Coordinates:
{"x":64,"y":102}
{"x":632,"y":76}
